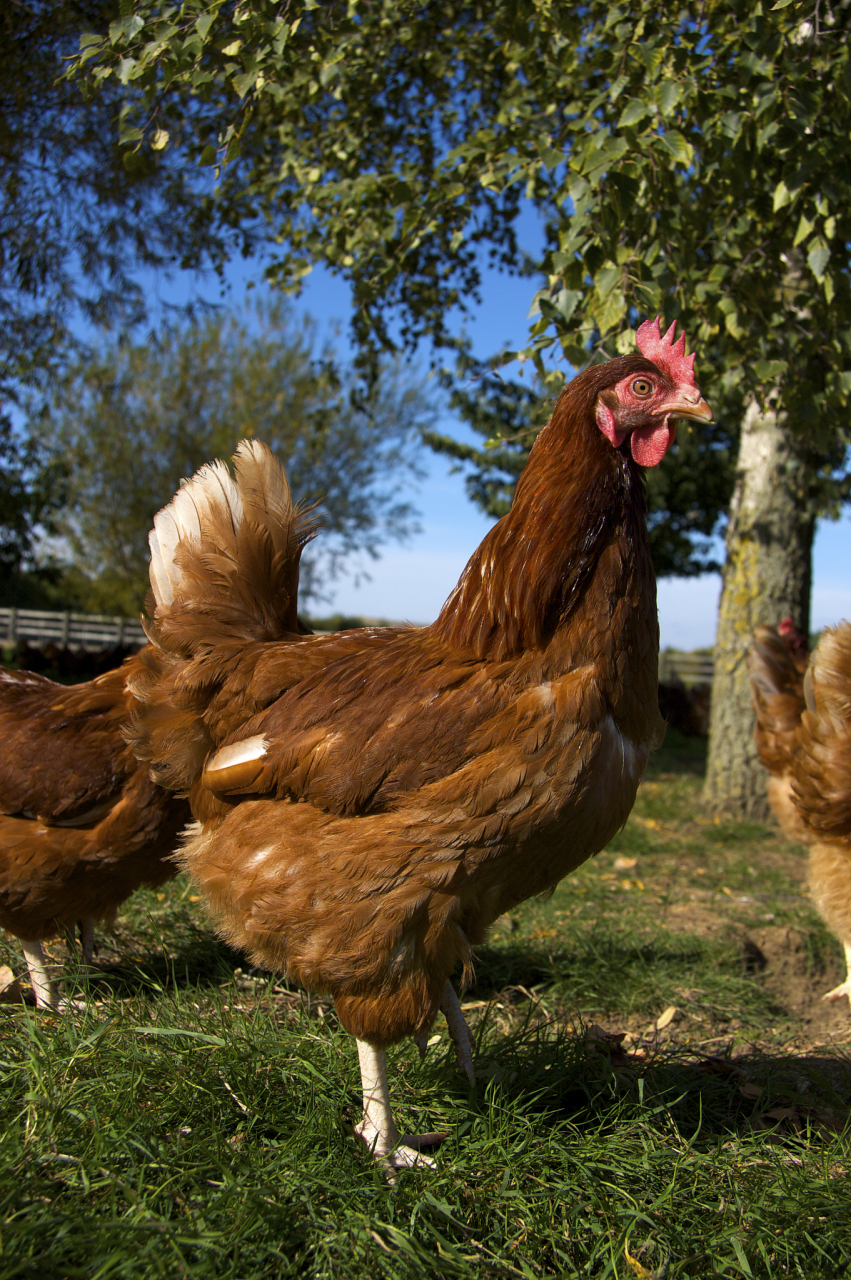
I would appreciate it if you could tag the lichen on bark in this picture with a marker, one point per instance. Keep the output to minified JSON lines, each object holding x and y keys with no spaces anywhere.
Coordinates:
{"x":766,"y":577}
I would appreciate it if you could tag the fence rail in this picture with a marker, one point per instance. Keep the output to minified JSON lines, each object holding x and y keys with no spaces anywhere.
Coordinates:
{"x":97,"y":631}
{"x":692,"y":668}
{"x":69,"y":630}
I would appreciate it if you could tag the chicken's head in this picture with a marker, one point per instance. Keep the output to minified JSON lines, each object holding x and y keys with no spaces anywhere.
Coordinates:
{"x":645,"y":405}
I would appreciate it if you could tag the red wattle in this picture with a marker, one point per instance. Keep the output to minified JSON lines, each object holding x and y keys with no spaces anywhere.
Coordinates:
{"x":650,"y":444}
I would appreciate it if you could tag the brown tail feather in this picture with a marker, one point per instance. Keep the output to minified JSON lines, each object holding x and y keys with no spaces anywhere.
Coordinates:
{"x":822,"y":768}
{"x":224,"y":573}
{"x":777,"y":689}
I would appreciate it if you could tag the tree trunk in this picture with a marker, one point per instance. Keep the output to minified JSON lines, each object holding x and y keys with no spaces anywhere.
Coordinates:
{"x":767,"y":577}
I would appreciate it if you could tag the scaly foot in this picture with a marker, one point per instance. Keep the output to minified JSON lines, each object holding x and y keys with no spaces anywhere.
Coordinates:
{"x":844,"y":989}
{"x":404,"y":1153}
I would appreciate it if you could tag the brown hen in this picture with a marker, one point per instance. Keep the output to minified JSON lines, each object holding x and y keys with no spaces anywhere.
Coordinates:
{"x":369,"y":802}
{"x":81,"y":823}
{"x":821,"y":785}
{"x":777,"y":660}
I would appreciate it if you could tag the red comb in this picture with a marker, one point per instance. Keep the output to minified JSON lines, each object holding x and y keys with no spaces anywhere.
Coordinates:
{"x":668,"y":354}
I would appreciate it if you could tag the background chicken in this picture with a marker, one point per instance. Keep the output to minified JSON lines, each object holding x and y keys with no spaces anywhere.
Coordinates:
{"x":821,"y":785}
{"x":777,"y":660}
{"x":81,"y":823}
{"x":369,"y":802}
{"x":803,"y":737}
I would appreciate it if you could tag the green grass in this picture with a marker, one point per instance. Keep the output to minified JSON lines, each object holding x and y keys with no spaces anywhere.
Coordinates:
{"x":196,"y":1120}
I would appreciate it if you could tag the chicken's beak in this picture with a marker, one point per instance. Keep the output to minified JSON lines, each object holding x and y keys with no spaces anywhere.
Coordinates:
{"x":687,"y":404}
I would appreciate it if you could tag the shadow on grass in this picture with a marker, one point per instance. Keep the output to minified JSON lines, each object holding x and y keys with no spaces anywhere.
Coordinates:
{"x":598,"y":959}
{"x":678,"y":754}
{"x":593,"y":1083}
{"x":202,"y":961}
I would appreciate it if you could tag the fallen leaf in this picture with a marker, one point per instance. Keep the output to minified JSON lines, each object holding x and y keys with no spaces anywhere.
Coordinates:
{"x":666,"y":1018}
{"x":625,"y":864}
{"x":10,"y":988}
{"x":636,"y":1267}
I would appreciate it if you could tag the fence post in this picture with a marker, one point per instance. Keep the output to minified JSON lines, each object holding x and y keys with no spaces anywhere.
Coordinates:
{"x":13,"y":626}
{"x":66,"y":629}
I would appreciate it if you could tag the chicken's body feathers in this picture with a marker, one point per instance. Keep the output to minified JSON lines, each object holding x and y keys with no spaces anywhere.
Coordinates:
{"x":368,"y":803}
{"x":81,"y":823}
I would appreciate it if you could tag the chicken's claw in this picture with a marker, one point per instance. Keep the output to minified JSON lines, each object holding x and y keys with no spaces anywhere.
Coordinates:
{"x":462,"y":1036}
{"x":844,"y":988}
{"x":405,"y":1153}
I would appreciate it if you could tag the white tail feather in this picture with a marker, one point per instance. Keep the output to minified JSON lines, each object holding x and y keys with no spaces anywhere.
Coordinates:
{"x":186,"y":514}
{"x":209,"y":489}
{"x":212,"y":484}
{"x":163,"y":540}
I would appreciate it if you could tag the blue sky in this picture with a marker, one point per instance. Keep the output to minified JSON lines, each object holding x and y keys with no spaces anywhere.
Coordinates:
{"x":411,"y":580}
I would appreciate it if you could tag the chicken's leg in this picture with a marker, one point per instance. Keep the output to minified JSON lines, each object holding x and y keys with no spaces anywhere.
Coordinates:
{"x":378,"y":1128}
{"x":43,"y":988}
{"x":844,"y":988}
{"x":87,"y":940}
{"x":462,"y":1036}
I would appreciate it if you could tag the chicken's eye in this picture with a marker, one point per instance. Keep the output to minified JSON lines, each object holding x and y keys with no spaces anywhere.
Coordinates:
{"x":642,"y":387}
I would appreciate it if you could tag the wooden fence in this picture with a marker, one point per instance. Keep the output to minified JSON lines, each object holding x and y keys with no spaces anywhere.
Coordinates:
{"x":95,"y":632}
{"x":88,"y":631}
{"x":691,"y":668}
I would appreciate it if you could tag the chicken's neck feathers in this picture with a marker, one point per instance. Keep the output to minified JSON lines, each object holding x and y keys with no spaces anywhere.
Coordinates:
{"x":576,"y":496}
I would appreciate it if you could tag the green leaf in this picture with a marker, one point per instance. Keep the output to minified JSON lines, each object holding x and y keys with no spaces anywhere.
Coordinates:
{"x":679,"y":147}
{"x":125,"y":28}
{"x":804,"y":229}
{"x":606,"y":279}
{"x":651,"y":55}
{"x":668,"y":96}
{"x":634,"y":111}
{"x":818,"y":258}
{"x":203,"y":24}
{"x":782,"y":196}
{"x":731,"y":324}
{"x":243,"y":83}
{"x":551,"y":158}
{"x":770,"y":370}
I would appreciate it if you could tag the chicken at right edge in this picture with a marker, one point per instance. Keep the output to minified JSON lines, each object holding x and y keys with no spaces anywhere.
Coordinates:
{"x":803,"y":737}
{"x":369,"y":802}
{"x":822,"y":784}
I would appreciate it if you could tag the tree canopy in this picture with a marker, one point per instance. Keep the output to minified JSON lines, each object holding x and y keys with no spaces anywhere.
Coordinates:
{"x":694,"y":164}
{"x":130,"y":421}
{"x":76,"y":223}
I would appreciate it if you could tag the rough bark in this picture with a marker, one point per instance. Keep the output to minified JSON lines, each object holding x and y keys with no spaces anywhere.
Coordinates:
{"x":766,"y":577}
